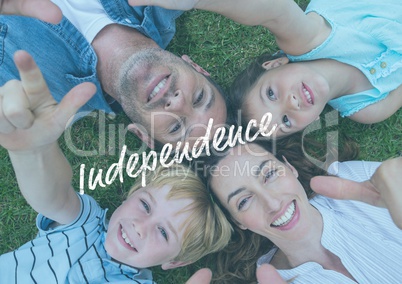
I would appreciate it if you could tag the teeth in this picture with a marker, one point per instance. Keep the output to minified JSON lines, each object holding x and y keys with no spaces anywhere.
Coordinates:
{"x":308,"y":95}
{"x":286,"y":217}
{"x":124,"y":235}
{"x":157,"y":88}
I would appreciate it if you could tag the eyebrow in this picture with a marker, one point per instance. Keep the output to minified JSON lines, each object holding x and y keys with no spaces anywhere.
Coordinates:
{"x":237,"y":191}
{"x":260,"y":167}
{"x":169,"y":224}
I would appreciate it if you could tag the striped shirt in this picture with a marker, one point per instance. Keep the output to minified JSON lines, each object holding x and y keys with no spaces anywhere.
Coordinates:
{"x":363,"y":236}
{"x":72,"y":253}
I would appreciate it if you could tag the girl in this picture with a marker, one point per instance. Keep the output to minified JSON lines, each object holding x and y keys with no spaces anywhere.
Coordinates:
{"x":342,"y":53}
{"x":310,"y":239}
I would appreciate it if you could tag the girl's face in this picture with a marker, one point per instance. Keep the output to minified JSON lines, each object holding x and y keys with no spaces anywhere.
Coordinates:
{"x":146,"y":230}
{"x":262,"y":194}
{"x":293,"y":93}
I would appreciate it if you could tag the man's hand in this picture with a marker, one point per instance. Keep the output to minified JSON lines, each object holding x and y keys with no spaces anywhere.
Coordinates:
{"x":44,"y":10}
{"x":29,"y":116}
{"x":168,"y":4}
{"x":267,"y":274}
{"x":384,"y":189}
{"x":202,"y":276}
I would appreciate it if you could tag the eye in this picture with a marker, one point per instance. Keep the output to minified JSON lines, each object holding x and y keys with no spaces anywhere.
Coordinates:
{"x":242,"y":203}
{"x":199,"y":98}
{"x":176,"y":127}
{"x":271,"y":95}
{"x":286,"y":121}
{"x":163,"y":232}
{"x":269,"y":175}
{"x":146,"y":206}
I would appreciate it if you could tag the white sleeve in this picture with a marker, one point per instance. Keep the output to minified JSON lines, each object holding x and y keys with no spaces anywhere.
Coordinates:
{"x":354,"y":170}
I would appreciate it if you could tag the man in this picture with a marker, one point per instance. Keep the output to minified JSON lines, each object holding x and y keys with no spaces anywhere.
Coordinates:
{"x":120,"y":49}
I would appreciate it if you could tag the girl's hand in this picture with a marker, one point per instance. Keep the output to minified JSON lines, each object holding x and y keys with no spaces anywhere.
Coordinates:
{"x":44,"y":10}
{"x":168,"y":4}
{"x":29,"y":116}
{"x":384,"y":189}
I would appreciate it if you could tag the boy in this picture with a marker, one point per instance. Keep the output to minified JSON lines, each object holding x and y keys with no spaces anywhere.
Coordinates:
{"x":171,"y":222}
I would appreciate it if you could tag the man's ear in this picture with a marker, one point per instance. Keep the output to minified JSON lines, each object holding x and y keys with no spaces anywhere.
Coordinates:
{"x":293,"y":169}
{"x":142,"y":134}
{"x":267,"y":65}
{"x":197,"y":67}
{"x":174,"y":264}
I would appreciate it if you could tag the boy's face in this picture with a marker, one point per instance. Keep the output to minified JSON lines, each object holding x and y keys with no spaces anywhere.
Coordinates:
{"x":146,"y":229}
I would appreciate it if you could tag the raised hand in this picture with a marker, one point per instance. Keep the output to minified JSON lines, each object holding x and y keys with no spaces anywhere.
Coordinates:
{"x":202,"y":276}
{"x":384,"y":189}
{"x":44,"y":10}
{"x":168,"y":4}
{"x":267,"y":274}
{"x":29,"y":116}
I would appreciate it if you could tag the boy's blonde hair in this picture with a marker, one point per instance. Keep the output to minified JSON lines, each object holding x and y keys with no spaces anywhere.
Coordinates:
{"x":207,"y":229}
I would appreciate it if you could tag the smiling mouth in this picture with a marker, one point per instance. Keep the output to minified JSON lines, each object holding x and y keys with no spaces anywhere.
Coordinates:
{"x":286,"y":217}
{"x":307,"y":95}
{"x":157,"y":88}
{"x":125,"y":238}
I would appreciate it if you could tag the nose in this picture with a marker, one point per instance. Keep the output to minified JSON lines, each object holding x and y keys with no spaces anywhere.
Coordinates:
{"x":175,"y":101}
{"x":140,"y":228}
{"x":270,"y":202}
{"x":292,"y":102}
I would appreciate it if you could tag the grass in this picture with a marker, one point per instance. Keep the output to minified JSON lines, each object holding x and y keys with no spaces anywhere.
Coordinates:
{"x":223,"y":48}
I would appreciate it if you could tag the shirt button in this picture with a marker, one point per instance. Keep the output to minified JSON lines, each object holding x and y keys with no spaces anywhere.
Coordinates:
{"x":383,"y":64}
{"x":128,"y":20}
{"x":372,"y":70}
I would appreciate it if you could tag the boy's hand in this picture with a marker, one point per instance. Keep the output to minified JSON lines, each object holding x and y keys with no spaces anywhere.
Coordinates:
{"x":44,"y":10}
{"x":384,"y":189}
{"x":168,"y":4}
{"x":202,"y":276}
{"x":29,"y":116}
{"x":267,"y":274}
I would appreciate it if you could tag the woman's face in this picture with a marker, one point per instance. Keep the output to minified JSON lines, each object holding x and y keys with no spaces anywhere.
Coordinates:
{"x":262,"y":194}
{"x":294,"y":94}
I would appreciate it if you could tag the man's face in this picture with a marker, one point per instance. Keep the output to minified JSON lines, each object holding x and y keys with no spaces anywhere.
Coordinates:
{"x":168,"y":97}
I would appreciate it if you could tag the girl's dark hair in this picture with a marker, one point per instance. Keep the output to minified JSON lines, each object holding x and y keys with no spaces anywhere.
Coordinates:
{"x":237,"y":262}
{"x":243,"y":83}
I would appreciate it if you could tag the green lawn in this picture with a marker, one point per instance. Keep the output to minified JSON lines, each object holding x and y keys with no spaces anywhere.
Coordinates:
{"x":221,"y":47}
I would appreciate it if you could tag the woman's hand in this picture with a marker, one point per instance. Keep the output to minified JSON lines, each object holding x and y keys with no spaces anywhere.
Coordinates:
{"x":44,"y":10}
{"x":384,"y":189}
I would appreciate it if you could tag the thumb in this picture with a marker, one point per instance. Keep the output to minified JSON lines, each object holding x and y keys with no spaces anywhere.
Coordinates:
{"x":202,"y":276}
{"x":267,"y":274}
{"x":339,"y":188}
{"x":72,"y":101}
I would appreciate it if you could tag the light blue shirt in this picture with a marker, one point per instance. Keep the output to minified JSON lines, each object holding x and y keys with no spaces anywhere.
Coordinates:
{"x":365,"y":34}
{"x":72,"y":253}
{"x":363,"y":237}
{"x":65,"y":57}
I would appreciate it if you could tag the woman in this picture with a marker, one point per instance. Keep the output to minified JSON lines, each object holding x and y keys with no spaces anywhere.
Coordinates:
{"x":321,"y":240}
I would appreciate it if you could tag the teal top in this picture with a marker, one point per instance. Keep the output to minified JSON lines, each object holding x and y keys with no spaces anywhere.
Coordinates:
{"x":367,"y":35}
